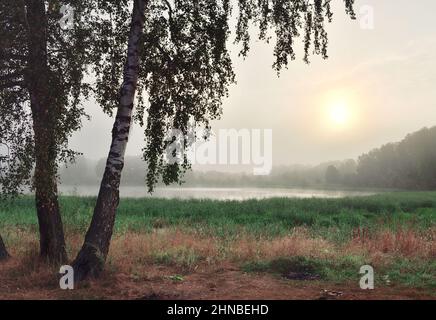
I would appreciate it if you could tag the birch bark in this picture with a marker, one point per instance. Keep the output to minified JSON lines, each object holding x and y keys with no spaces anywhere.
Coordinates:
{"x":91,"y":258}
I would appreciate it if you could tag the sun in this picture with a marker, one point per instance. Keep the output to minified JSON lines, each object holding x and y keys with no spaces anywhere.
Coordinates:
{"x":339,"y":113}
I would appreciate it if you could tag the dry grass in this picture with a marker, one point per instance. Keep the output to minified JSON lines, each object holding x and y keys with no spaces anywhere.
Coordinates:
{"x":145,"y":258}
{"x":166,"y":246}
{"x":403,"y":242}
{"x":298,"y":243}
{"x":188,"y":250}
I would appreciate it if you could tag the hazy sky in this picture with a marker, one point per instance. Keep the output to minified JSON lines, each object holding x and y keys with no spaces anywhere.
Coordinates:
{"x":385,"y":77}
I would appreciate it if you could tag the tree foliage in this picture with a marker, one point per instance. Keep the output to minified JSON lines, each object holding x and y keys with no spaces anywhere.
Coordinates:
{"x":409,"y":164}
{"x":186,"y":68}
{"x":185,"y":73}
{"x":67,"y":57}
{"x":332,"y":175}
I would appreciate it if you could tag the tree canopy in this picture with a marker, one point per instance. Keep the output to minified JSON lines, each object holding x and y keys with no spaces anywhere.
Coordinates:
{"x":185,"y":73}
{"x":408,"y":164}
{"x":67,"y":58}
{"x":186,"y":68}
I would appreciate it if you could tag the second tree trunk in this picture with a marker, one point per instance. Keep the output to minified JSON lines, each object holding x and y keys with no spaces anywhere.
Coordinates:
{"x":91,"y":258}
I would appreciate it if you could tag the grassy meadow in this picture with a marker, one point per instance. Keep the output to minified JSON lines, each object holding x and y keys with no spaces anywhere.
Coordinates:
{"x":323,"y":239}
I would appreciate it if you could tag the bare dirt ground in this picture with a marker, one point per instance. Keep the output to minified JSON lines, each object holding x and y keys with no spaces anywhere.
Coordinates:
{"x":159,"y":282}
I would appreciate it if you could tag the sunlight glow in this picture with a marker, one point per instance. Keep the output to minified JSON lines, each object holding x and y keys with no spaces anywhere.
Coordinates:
{"x":339,"y":113}
{"x":340,"y":110}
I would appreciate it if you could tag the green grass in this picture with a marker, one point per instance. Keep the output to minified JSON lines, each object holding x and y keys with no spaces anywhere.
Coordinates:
{"x":330,"y":218}
{"x":411,"y":273}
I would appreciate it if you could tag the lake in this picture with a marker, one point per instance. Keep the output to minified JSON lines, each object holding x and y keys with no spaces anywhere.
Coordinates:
{"x":215,"y":193}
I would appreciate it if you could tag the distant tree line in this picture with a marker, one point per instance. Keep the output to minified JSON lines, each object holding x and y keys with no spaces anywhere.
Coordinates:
{"x":86,"y":172}
{"x":409,"y":164}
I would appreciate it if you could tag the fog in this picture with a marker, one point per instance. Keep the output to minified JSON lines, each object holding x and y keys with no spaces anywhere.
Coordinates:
{"x":386,"y":75}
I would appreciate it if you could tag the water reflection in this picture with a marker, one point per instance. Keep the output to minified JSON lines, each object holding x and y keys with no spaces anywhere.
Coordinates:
{"x":215,"y":193}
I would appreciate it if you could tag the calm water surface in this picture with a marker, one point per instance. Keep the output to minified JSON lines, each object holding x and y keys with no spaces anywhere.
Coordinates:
{"x":215,"y":193}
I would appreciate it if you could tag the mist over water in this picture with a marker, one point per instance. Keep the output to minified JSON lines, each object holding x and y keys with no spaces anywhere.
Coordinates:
{"x":215,"y":193}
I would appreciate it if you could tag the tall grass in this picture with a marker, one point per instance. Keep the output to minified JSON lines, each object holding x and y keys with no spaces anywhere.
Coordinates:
{"x":266,"y":218}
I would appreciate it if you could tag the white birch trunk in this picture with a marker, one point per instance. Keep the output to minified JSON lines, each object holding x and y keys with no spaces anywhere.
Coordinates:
{"x":91,"y":258}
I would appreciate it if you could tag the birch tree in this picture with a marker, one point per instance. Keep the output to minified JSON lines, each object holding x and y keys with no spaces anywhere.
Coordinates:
{"x":178,"y":64}
{"x":95,"y":249}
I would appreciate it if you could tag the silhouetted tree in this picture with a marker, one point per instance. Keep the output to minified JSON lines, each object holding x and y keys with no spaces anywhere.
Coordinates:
{"x":332,"y":175}
{"x":408,"y":164}
{"x":178,"y":60}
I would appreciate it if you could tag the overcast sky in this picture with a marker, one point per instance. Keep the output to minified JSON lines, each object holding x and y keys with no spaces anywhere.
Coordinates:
{"x":386,"y":76}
